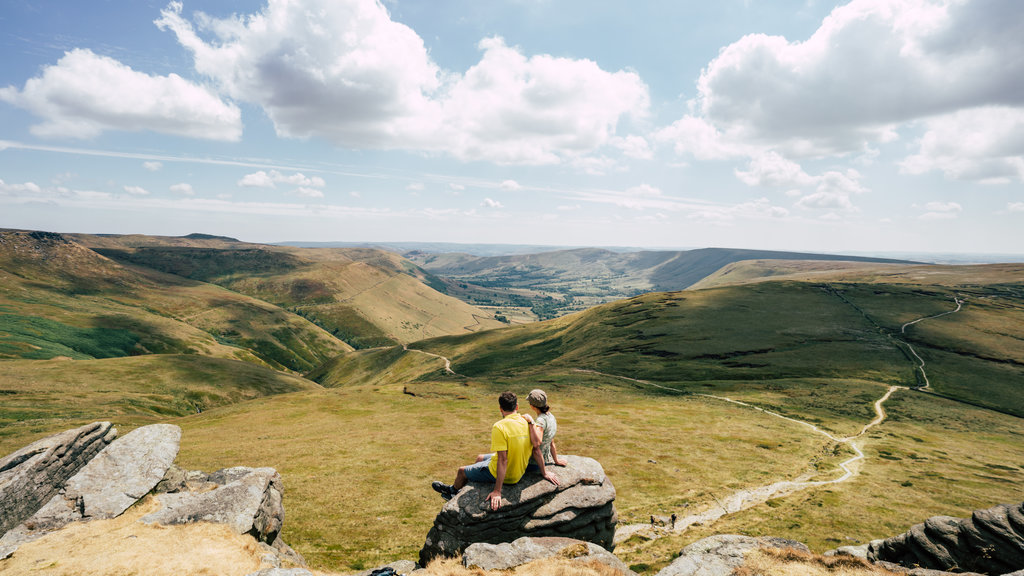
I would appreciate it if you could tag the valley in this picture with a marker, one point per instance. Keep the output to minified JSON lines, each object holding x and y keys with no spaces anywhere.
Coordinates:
{"x":832,"y":402}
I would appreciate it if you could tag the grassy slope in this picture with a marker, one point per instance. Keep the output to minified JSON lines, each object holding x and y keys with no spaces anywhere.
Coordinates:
{"x":365,"y":297}
{"x":46,"y":396}
{"x":974,"y":355}
{"x":58,"y":298}
{"x":766,"y":331}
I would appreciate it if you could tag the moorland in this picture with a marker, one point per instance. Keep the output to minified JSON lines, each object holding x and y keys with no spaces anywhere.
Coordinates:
{"x":329,"y":365}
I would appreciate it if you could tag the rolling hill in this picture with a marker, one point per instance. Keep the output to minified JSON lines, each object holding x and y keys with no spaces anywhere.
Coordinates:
{"x":363,"y":296}
{"x":562,"y":281}
{"x":59,"y":298}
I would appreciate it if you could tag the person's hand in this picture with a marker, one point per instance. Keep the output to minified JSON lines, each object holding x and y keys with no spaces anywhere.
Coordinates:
{"x":562,"y":462}
{"x":495,"y":499}
{"x":550,"y":477}
{"x":528,"y":418}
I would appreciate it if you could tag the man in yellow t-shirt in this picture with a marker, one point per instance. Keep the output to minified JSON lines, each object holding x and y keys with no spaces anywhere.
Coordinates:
{"x":513,"y":447}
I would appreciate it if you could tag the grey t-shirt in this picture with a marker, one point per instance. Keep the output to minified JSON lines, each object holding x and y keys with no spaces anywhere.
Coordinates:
{"x":547,"y":423}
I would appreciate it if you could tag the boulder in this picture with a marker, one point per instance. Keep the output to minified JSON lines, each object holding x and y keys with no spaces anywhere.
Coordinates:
{"x":526,"y":549}
{"x":249,"y":500}
{"x":991,"y":541}
{"x":580,"y":507}
{"x":853,"y":551}
{"x":721,"y":555}
{"x":30,"y":477}
{"x":114,"y":479}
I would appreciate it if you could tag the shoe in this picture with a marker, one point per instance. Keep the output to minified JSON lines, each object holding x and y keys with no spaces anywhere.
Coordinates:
{"x":446,"y":491}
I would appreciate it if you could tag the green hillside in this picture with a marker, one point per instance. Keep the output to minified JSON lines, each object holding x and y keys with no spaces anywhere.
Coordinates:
{"x":362,"y":296}
{"x":61,"y":299}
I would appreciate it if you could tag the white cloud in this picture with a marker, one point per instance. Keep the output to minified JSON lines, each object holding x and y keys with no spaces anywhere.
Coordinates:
{"x":833,"y":190}
{"x":152,"y":166}
{"x":871,"y":68}
{"x":415,"y":187}
{"x":644,"y":190}
{"x":1015,"y":206}
{"x":263,"y":179}
{"x":307,"y":192}
{"x":771,"y":169}
{"x":183,"y":188}
{"x":85,"y":94}
{"x":344,"y":71}
{"x":941,"y":211}
{"x":489,"y":203}
{"x":456,"y":187}
{"x":510,"y":185}
{"x":12,"y":189}
{"x":981,"y":144}
{"x":136,"y":190}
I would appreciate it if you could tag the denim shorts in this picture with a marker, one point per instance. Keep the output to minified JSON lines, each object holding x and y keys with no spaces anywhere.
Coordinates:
{"x":481,"y":471}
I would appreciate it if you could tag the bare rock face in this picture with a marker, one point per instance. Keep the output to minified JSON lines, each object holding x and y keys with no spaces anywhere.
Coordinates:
{"x":30,"y":477}
{"x":721,"y":555}
{"x":525,"y":550}
{"x":249,"y":500}
{"x":990,"y":542}
{"x":581,"y":507}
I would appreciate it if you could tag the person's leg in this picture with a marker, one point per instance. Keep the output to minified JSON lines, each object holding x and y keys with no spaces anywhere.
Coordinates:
{"x":482,"y":457}
{"x":477,"y":472}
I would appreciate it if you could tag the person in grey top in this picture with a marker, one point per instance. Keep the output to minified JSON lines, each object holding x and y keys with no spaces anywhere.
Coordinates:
{"x":544,"y":427}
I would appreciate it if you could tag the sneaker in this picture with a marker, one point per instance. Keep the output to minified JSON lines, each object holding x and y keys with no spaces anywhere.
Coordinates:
{"x":445,"y":490}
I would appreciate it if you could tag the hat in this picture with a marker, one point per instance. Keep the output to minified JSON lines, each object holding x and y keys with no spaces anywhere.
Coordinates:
{"x":538,"y":398}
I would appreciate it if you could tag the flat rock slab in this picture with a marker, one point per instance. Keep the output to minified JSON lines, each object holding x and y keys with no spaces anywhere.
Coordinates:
{"x":249,"y":501}
{"x":525,"y":550}
{"x":125,"y":471}
{"x":580,"y":507}
{"x":721,"y":555}
{"x":30,"y":477}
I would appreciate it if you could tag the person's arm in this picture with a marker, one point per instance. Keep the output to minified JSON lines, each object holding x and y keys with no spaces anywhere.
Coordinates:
{"x":495,"y":496}
{"x":538,"y":457}
{"x":536,"y":432}
{"x":554,"y":456}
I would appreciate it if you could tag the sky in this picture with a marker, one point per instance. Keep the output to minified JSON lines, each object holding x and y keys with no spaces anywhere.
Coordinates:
{"x":861,"y":126}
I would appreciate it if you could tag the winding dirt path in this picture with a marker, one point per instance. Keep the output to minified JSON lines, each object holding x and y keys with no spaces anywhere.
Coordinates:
{"x":447,"y":362}
{"x":903,"y":330}
{"x":748,"y":498}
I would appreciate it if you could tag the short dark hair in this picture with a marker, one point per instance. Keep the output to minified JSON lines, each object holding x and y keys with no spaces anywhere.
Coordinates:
{"x":508,"y":401}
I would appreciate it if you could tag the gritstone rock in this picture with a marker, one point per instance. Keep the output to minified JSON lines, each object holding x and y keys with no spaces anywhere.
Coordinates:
{"x":720,"y":555}
{"x":525,"y":550}
{"x":117,"y":477}
{"x":30,"y":477}
{"x":581,"y":507}
{"x":990,"y":542}
{"x":246,"y":499}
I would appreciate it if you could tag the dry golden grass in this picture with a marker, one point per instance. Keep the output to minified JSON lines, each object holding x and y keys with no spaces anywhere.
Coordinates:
{"x":790,"y":562}
{"x":125,"y":546}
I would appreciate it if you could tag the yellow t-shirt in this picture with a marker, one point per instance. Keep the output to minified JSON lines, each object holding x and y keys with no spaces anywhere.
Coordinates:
{"x":511,"y":434}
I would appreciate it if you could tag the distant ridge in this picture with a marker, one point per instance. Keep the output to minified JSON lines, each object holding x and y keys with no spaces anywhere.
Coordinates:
{"x":199,"y":236}
{"x":585,"y":270}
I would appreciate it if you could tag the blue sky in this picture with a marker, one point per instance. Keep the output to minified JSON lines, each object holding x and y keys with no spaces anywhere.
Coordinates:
{"x":871,"y":125}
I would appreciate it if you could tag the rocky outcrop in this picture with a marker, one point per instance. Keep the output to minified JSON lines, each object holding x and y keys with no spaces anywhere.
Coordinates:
{"x":525,"y":550}
{"x":249,"y":500}
{"x":117,"y":477}
{"x":580,"y":507}
{"x":990,"y":542}
{"x":30,"y":477}
{"x":721,"y":555}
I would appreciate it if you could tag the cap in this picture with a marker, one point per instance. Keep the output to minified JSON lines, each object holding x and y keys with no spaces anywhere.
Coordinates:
{"x":538,"y":398}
